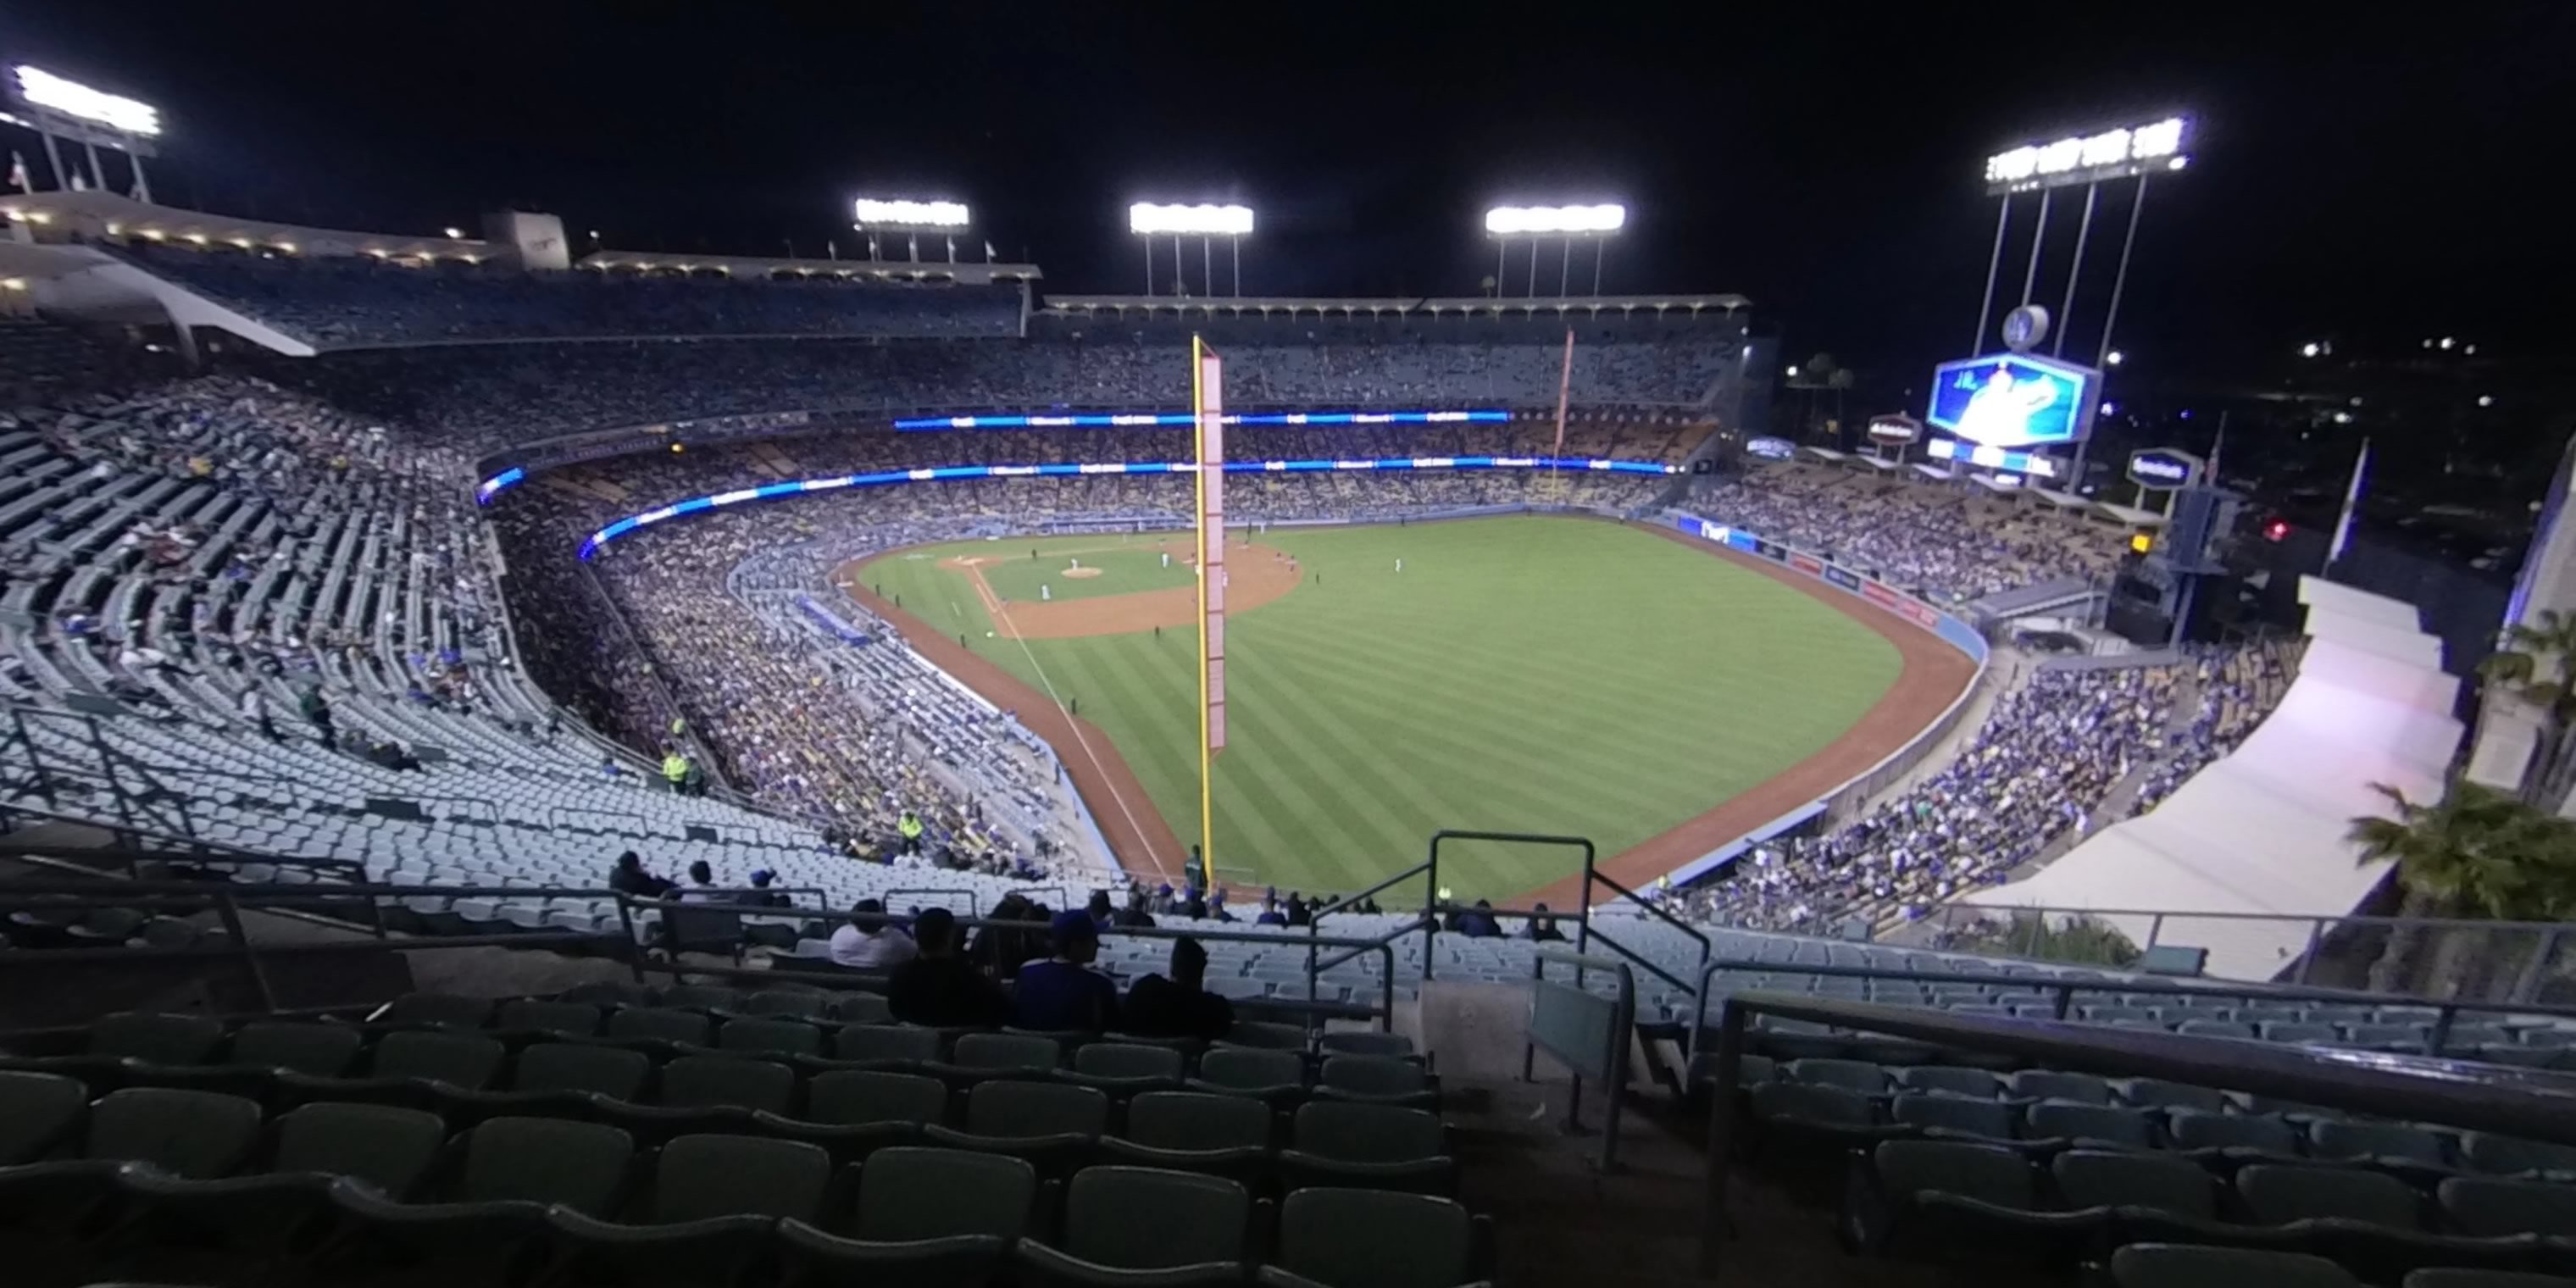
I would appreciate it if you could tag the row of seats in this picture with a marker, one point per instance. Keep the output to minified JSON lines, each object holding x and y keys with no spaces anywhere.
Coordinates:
{"x":334,"y":1186}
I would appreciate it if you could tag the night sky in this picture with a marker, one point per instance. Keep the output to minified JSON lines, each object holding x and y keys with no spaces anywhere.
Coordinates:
{"x":2365,"y":173}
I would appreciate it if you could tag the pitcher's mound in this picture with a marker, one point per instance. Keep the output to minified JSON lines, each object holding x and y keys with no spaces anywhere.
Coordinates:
{"x":1077,"y":574}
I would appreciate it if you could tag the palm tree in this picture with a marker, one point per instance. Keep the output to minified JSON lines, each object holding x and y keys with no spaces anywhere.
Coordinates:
{"x":2538,"y":665}
{"x":2477,"y":852}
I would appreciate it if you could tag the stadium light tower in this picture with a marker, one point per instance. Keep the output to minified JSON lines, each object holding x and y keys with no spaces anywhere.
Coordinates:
{"x":58,"y":108}
{"x":1149,"y":220}
{"x":1563,"y":224}
{"x":912,"y":219}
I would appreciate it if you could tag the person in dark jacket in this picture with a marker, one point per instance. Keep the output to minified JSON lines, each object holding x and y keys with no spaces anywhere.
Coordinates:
{"x":1061,"y":993}
{"x":629,"y":877}
{"x":1478,"y":922}
{"x":1177,"y":1005}
{"x":1542,"y":929}
{"x":939,"y":988}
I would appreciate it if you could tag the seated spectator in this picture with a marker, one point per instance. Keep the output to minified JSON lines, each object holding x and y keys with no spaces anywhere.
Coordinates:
{"x":763,"y":895}
{"x":998,"y":950}
{"x":702,"y":885}
{"x":1177,"y":1006}
{"x":391,"y":755}
{"x":1062,"y":993}
{"x":1297,"y":914}
{"x":1478,"y":922}
{"x":1541,"y":929}
{"x":1103,"y":917}
{"x":1136,"y":914}
{"x":869,"y":941}
{"x":629,"y":877}
{"x":939,"y":988}
{"x":1270,"y":914}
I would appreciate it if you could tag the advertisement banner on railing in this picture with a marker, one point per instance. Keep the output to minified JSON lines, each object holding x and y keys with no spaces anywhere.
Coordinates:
{"x":1768,"y":550}
{"x":1842,"y":577}
{"x":1808,"y":564}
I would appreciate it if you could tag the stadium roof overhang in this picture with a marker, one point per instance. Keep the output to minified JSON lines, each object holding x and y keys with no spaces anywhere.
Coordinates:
{"x":762,"y":266}
{"x":53,"y":216}
{"x":1366,"y":306}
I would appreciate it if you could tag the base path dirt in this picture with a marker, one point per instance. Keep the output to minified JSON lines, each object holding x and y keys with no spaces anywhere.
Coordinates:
{"x":1933,"y":677}
{"x":1255,"y":575}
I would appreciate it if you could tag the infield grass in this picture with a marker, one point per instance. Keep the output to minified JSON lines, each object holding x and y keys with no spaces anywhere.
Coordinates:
{"x":1016,"y":577}
{"x":1524,"y":674}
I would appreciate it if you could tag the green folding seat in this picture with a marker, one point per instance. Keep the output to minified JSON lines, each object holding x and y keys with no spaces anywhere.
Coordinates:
{"x":1276,"y":1077}
{"x":1015,"y":1052}
{"x":37,"y":1112}
{"x":1950,"y":1080}
{"x":1944,"y":1115}
{"x":551,"y":1079}
{"x":385,"y":1147}
{"x":406,"y":1067}
{"x":2091,"y":1125}
{"x":2514,"y":1156}
{"x":2392,"y":1145}
{"x":434,"y":1010}
{"x":1190,"y":1131}
{"x":1351,"y":1238}
{"x":2234,"y":1139}
{"x":2156,"y":1093}
{"x":701,"y":997}
{"x":659,"y":1028}
{"x":854,"y":1112}
{"x":257,"y":1052}
{"x":923,"y":1216}
{"x":178,"y":1132}
{"x":1364,"y":1042}
{"x":1266,"y":1036}
{"x":1144,"y":1226}
{"x":1124,"y":1069}
{"x":1052,"y":1125}
{"x":887,"y":1043}
{"x":2051,"y":1084}
{"x":1858,"y":1076}
{"x":1922,"y":1196}
{"x":2457,"y":1277}
{"x":1389,"y":1147}
{"x":2367,"y":1221}
{"x":2171,"y":1265}
{"x":536,"y":1015}
{"x":715,"y":1200}
{"x":2146,"y":1197}
{"x":2488,"y":1206}
{"x":115,"y":1043}
{"x":861,"y":1008}
{"x":1378,"y":1079}
{"x":489,"y":1211}
{"x":611,"y":993}
{"x":769,"y":1037}
{"x":786,"y":1003}
{"x":724,"y":1082}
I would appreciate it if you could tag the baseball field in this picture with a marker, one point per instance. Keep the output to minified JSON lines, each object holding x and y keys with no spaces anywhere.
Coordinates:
{"x":1528,"y":673}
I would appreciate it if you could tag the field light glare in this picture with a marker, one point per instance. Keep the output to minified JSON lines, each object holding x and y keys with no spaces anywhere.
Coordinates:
{"x":71,"y":98}
{"x":2066,"y":158}
{"x":1554,"y":221}
{"x":911,"y":214}
{"x":1148,"y":219}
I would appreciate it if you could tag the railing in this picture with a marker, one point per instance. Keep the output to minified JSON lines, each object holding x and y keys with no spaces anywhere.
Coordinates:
{"x":974,"y":905}
{"x":2064,"y":988}
{"x":1587,"y":1033}
{"x":2519,"y":1102}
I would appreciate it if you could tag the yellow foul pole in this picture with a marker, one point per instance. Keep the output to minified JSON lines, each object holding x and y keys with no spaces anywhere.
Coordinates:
{"x":1199,"y":568}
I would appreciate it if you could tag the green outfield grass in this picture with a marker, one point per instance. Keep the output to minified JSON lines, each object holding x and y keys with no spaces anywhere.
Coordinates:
{"x":1015,"y":576}
{"x":1522,"y":674}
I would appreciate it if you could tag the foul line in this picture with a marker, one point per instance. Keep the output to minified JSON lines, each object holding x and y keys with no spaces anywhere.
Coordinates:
{"x":1002,"y":616}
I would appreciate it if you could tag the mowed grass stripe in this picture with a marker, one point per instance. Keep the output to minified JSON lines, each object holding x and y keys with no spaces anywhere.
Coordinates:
{"x":1521,"y":673}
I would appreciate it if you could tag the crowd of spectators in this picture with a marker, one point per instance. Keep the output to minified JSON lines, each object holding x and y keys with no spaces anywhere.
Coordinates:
{"x":1946,"y":542}
{"x":356,"y":300}
{"x":2047,"y":755}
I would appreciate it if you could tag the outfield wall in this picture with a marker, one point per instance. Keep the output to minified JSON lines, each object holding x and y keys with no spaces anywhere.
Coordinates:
{"x":1846,"y":799}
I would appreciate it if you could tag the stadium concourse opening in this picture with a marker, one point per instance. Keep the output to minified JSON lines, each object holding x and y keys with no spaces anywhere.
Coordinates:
{"x":1083,"y":671}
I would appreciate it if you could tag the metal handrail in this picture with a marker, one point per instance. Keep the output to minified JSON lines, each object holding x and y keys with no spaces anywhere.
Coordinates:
{"x":2446,"y":1010}
{"x":1589,"y":934}
{"x":2521,"y":1102}
{"x":1614,"y":1055}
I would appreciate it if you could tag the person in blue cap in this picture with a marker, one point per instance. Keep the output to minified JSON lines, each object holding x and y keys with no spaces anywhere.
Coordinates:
{"x":1061,"y":993}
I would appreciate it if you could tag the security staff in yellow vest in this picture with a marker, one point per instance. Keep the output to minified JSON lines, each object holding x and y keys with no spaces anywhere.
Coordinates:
{"x":910,"y":827}
{"x":675,"y":769}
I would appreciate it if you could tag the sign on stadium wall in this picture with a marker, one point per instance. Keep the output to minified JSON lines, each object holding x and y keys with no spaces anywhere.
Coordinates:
{"x":2164,"y":468}
{"x":1894,"y":430}
{"x":1869,"y":588}
{"x":1808,"y":564}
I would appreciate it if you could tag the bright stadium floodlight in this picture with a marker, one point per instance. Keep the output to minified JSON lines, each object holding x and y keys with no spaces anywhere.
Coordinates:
{"x":61,"y":108}
{"x":41,"y":88}
{"x":2089,"y":158}
{"x":911,"y":218}
{"x":1563,"y":224}
{"x":1205,"y":221}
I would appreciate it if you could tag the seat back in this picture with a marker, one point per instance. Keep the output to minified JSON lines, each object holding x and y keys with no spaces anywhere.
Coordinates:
{"x":1007,"y":1051}
{"x":2342,"y":1138}
{"x":862,"y":1008}
{"x":1990,"y":1173}
{"x":659,"y":1024}
{"x":1353,"y":1238}
{"x":1372,"y":1075}
{"x":788,"y":1003}
{"x":322,"y":1050}
{"x":778,"y":1037}
{"x":701,"y":996}
{"x":1194,"y":1120}
{"x":2058,"y":1118}
{"x":2480,"y":1205}
{"x":1858,"y":1076}
{"x":1267,"y":1036}
{"x":156,"y":1039}
{"x":2177,"y":1265}
{"x":614,"y":1072}
{"x":1249,"y":1070}
{"x":2051,"y":1084}
{"x":701,"y":930}
{"x":1951,"y":1080}
{"x":1147,"y":1218}
{"x":908,"y":1192}
{"x":2105,"y":1178}
{"x":1127,"y":1060}
{"x":704,"y":1081}
{"x":436,"y":1009}
{"x":2280,"y":1193}
{"x":711,"y":1175}
{"x":1364,"y":1042}
{"x":2194,"y":1129}
{"x":37,"y":1109}
{"x":387,"y":1147}
{"x":1006,"y":1108}
{"x":468,"y":1060}
{"x":1959,"y":1113}
{"x":849,"y":1097}
{"x":885,"y":1042}
{"x":1364,"y":1133}
{"x":545,"y":1160}
{"x":536,"y":1014}
{"x":191,"y":1134}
